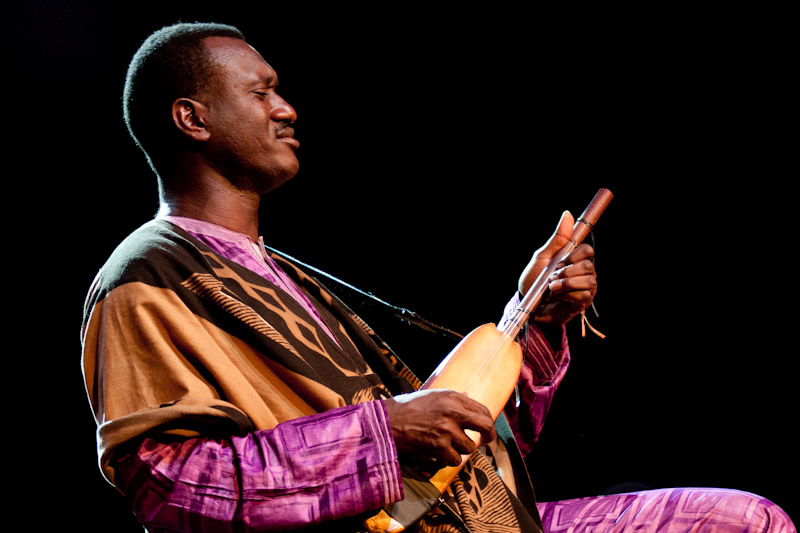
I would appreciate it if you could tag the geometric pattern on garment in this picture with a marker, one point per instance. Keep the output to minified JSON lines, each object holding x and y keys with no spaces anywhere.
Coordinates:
{"x":297,"y":461}
{"x":208,"y":287}
{"x":675,"y":510}
{"x":482,"y":498}
{"x":211,"y":288}
{"x":297,"y":474}
{"x":323,"y":294}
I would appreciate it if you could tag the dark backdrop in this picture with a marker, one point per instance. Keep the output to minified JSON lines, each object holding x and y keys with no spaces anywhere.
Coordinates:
{"x":438,"y":151}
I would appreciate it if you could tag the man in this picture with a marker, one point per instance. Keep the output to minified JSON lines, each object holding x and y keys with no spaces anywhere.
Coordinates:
{"x":233,"y":391}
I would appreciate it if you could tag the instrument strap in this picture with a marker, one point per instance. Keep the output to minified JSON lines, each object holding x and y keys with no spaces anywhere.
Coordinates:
{"x":522,"y":479}
{"x":402,"y":313}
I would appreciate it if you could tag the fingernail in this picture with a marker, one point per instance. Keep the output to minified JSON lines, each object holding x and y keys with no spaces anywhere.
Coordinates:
{"x":555,"y":286}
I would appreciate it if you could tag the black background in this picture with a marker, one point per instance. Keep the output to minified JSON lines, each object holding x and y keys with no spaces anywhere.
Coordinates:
{"x":439,"y":148}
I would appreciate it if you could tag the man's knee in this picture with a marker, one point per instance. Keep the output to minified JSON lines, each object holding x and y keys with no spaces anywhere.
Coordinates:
{"x":735,"y":508}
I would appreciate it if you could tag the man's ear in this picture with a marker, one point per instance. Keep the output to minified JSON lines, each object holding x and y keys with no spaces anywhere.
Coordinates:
{"x":189,"y":117}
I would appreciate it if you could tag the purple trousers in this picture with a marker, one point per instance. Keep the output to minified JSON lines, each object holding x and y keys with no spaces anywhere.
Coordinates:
{"x":667,"y":511}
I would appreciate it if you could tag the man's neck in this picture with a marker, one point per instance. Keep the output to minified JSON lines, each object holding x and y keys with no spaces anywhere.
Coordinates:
{"x":237,"y":213}
{"x":195,"y":190}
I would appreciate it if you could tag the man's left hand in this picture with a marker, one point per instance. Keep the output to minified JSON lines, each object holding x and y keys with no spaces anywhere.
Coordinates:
{"x":573,"y":285}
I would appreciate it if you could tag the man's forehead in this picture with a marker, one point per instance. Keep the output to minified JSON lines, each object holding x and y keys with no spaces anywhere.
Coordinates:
{"x":239,"y":57}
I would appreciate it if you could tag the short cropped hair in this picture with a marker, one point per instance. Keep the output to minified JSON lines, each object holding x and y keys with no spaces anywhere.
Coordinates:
{"x":172,"y":63}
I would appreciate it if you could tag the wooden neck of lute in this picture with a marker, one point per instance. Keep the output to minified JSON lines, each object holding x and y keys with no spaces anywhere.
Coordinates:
{"x":583,"y":226}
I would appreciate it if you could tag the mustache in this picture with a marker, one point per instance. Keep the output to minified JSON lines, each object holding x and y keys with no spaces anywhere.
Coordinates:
{"x":284,"y":128}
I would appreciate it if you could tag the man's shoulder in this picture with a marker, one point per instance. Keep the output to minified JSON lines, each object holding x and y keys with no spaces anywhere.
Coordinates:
{"x":147,"y":254}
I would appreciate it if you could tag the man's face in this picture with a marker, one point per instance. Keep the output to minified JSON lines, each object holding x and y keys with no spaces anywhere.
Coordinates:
{"x":251,"y":142}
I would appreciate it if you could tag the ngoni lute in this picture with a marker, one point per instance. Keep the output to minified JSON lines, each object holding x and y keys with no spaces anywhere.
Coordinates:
{"x":485,"y":365}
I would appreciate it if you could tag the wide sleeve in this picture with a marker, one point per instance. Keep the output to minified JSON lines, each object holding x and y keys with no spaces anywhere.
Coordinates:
{"x":314,"y":469}
{"x":543,"y":368}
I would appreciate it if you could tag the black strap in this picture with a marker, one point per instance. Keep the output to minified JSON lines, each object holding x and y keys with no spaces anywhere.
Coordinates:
{"x":525,"y":493}
{"x":400,"y":312}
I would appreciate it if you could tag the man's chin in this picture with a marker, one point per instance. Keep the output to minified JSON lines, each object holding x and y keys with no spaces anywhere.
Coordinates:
{"x":277,"y":181}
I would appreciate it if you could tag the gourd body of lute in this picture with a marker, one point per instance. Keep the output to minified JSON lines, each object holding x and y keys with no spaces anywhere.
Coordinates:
{"x":485,"y":366}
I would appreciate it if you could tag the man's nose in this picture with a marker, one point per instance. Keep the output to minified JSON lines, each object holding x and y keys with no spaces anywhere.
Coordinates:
{"x":282,"y":111}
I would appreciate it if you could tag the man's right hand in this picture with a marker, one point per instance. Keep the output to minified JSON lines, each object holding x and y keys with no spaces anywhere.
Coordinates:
{"x":428,"y":427}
